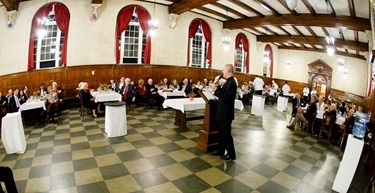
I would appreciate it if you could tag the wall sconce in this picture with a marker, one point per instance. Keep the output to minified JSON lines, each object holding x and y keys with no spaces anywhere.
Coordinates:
{"x":288,"y":64}
{"x":341,"y":64}
{"x":345,"y":73}
{"x":93,"y":72}
{"x":226,"y":39}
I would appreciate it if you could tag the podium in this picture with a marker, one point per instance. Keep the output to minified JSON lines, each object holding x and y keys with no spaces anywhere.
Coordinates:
{"x":208,"y":135}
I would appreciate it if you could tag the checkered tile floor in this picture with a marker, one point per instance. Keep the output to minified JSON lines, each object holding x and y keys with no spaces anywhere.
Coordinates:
{"x":75,"y":155}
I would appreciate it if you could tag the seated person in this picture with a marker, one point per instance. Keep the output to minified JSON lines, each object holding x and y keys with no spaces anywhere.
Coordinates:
{"x":13,"y":101}
{"x":6,"y":176}
{"x":129,"y":92}
{"x":56,"y":89}
{"x":3,"y":106}
{"x":112,"y":84}
{"x":88,"y":100}
{"x":185,"y":86}
{"x":52,"y":102}
{"x":22,"y":98}
{"x":152,"y":93}
{"x":311,"y":111}
{"x":174,"y":85}
{"x":141,"y":93}
{"x":42,"y":90}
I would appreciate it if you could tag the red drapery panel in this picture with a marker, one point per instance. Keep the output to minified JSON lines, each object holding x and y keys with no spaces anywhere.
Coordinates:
{"x":269,"y":49}
{"x":207,"y":36}
{"x":245,"y":43}
{"x":62,"y":20}
{"x":369,"y":85}
{"x":144,"y":18}
{"x":123,"y":20}
{"x":42,"y":12}
{"x":193,"y":28}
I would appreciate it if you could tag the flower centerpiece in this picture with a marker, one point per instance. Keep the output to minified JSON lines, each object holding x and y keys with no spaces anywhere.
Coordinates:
{"x":103,"y":87}
{"x":191,"y":95}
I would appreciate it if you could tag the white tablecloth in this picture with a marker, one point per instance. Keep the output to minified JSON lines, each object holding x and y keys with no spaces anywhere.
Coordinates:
{"x":348,"y":164}
{"x":340,"y":120}
{"x":257,"y":107}
{"x":171,"y":94}
{"x":12,"y":133}
{"x":104,"y":97}
{"x":282,"y":103}
{"x":32,"y":105}
{"x":115,"y":121}
{"x":198,"y":103}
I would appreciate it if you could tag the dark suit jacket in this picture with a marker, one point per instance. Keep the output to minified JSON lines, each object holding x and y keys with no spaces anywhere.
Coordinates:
{"x":114,"y":87}
{"x":12,"y":106}
{"x":188,"y":88}
{"x":311,"y":110}
{"x":295,"y":102}
{"x":130,"y":93}
{"x":226,"y":95}
{"x":148,"y":90}
{"x":120,"y":89}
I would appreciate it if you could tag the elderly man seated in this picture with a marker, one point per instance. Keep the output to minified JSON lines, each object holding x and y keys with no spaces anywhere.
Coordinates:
{"x":297,"y":112}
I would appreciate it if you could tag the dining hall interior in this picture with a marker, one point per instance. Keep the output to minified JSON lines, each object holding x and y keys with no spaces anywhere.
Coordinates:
{"x":68,"y":146}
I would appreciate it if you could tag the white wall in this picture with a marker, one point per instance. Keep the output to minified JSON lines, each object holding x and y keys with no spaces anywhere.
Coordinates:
{"x":355,"y":83}
{"x":93,"y":43}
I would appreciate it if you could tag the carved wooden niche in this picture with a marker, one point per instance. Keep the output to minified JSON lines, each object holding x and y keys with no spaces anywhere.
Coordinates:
{"x":320,"y":77}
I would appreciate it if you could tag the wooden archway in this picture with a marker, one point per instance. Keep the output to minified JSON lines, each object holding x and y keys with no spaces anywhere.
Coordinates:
{"x":319,"y":68}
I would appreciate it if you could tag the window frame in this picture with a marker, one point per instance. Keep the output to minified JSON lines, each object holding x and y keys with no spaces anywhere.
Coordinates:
{"x":204,"y":49}
{"x":243,"y":57}
{"x":58,"y":44}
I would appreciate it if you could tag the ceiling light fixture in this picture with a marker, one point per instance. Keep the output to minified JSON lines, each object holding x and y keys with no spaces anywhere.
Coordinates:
{"x":292,"y":4}
{"x":153,"y":24}
{"x":226,"y":39}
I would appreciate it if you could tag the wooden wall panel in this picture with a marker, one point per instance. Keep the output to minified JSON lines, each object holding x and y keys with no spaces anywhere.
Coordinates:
{"x":68,"y":78}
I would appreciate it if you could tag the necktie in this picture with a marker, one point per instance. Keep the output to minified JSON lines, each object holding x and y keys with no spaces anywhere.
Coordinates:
{"x":125,"y":92}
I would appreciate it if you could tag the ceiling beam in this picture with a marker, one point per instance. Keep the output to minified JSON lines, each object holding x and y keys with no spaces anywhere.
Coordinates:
{"x":323,"y":20}
{"x":347,"y":44}
{"x":246,"y":7}
{"x":309,"y":7}
{"x":330,"y":7}
{"x":284,"y":30}
{"x":258,"y":31}
{"x":322,"y":51}
{"x":351,"y":9}
{"x":187,"y":5}
{"x":230,"y":10}
{"x":97,"y":1}
{"x":214,"y":13}
{"x":269,"y":31}
{"x":297,"y":31}
{"x":11,"y":5}
{"x":268,"y":7}
{"x":282,"y":2}
{"x":310,"y":30}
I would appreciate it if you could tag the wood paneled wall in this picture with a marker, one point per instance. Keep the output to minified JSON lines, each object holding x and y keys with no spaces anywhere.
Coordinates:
{"x":69,"y":77}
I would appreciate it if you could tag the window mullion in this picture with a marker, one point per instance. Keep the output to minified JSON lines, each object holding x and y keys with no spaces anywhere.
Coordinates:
{"x":38,"y":50}
{"x":140,"y":45}
{"x":57,"y":48}
{"x":203,"y":51}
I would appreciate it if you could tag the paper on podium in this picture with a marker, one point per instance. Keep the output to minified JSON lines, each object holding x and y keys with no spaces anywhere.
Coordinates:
{"x":209,"y":95}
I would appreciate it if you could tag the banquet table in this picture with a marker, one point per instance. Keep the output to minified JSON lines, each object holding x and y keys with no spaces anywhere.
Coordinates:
{"x":115,"y":119}
{"x":32,"y":105}
{"x":106,"y":96}
{"x":12,"y":133}
{"x":340,"y":120}
{"x":173,"y":93}
{"x":185,"y":104}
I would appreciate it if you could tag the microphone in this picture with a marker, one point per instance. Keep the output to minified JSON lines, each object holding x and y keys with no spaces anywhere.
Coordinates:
{"x":218,"y":78}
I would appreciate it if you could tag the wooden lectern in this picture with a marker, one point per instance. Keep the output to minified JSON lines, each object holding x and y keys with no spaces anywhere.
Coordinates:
{"x":208,"y":136}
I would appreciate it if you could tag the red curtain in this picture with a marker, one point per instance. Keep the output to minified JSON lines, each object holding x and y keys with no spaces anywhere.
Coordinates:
{"x":245,"y":44}
{"x":62,"y":20}
{"x":207,"y":36}
{"x":42,"y":12}
{"x":123,"y":20}
{"x":193,"y":28}
{"x":269,"y":49}
{"x":144,"y":17}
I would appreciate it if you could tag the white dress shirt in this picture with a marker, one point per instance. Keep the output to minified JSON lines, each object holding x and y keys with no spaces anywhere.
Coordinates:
{"x":306,"y":91}
{"x":286,"y":89}
{"x":258,"y":83}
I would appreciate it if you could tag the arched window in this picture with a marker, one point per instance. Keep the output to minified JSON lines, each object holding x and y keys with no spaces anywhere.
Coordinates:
{"x":133,"y":43}
{"x":199,"y":45}
{"x":242,"y":54}
{"x":49,"y":37}
{"x":267,"y":61}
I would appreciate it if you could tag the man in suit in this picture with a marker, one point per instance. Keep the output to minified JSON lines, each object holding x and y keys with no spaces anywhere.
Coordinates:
{"x":225,"y":113}
{"x":42,"y":90}
{"x":152,"y":93}
{"x":311,"y":110}
{"x":112,"y":84}
{"x":120,"y":87}
{"x":129,"y":92}
{"x":297,"y":103}
{"x":6,"y":176}
{"x":13,"y":101}
{"x":25,"y":89}
{"x":185,"y":86}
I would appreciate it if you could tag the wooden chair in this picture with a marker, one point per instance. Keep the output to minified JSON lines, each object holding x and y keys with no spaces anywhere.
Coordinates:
{"x":327,"y":124}
{"x":82,"y":108}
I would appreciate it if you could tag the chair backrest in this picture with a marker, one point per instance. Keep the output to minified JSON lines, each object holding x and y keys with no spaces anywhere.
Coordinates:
{"x":80,"y":98}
